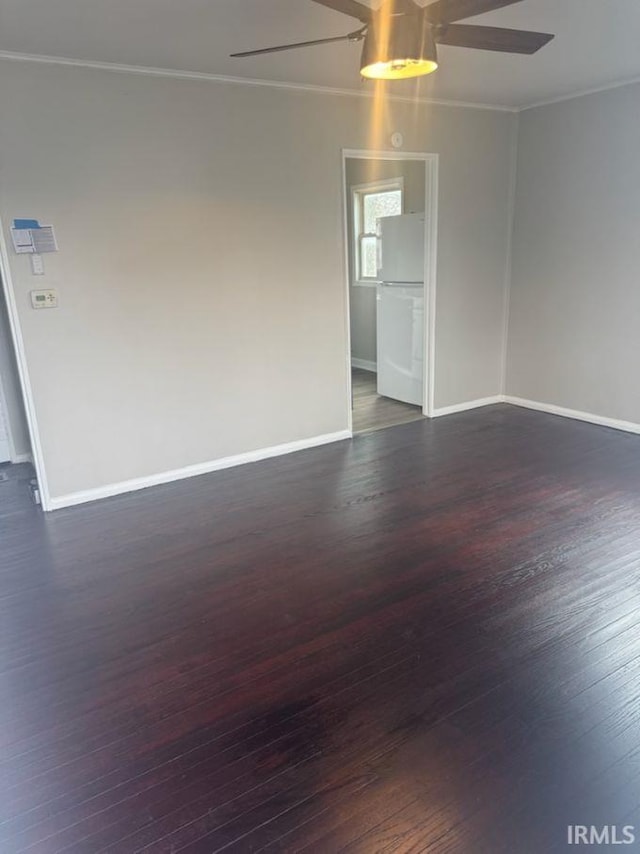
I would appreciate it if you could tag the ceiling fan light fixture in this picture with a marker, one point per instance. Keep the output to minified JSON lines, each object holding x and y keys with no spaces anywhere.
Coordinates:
{"x":399,"y":69}
{"x":408,"y":51}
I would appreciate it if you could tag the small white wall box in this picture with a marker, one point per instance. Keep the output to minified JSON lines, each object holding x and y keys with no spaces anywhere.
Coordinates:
{"x":37,"y":264}
{"x":29,"y":237}
{"x":44,"y":299}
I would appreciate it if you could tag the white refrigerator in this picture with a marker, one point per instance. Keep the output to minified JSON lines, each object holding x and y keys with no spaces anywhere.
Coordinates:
{"x":400,"y":308}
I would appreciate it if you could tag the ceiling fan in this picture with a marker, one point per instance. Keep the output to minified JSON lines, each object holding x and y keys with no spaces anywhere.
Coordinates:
{"x":401,"y":37}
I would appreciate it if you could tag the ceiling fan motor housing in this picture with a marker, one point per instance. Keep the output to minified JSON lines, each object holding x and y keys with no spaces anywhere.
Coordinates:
{"x":405,"y":49}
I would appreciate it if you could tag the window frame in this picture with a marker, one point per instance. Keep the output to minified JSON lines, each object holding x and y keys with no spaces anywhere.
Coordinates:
{"x":358,"y":193}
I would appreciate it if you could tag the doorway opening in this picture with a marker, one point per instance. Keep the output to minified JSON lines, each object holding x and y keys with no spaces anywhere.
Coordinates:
{"x":25,"y":470}
{"x":16,"y":469}
{"x":390,"y":201}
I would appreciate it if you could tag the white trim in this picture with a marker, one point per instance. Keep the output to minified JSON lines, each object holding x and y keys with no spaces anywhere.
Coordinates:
{"x":5,"y":416}
{"x":346,"y":294}
{"x":575,"y":414}
{"x":112,"y":489}
{"x":548,"y":408}
{"x":579,"y":94}
{"x":150,"y":71}
{"x":431,"y":166}
{"x":384,"y":154}
{"x":23,"y":372}
{"x":14,"y":456}
{"x":467,"y":405}
{"x":508,"y":268}
{"x":5,"y":423}
{"x":180,"y":74}
{"x":364,"y":365}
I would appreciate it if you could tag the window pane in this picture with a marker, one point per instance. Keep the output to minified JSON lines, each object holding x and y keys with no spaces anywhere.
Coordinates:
{"x":368,"y":258}
{"x":387,"y":203}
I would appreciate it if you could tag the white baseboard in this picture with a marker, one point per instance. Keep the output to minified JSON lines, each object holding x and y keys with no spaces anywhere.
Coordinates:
{"x":108,"y":491}
{"x":589,"y":417}
{"x":365,"y":365}
{"x":548,"y":408}
{"x":467,"y":405}
{"x":22,"y":458}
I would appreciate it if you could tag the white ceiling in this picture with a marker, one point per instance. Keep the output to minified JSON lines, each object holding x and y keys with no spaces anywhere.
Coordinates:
{"x":596,"y":44}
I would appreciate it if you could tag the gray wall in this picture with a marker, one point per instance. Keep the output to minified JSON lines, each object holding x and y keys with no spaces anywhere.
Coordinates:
{"x":10,"y":384}
{"x":201,"y":272}
{"x":575,"y":298}
{"x":363,"y":297}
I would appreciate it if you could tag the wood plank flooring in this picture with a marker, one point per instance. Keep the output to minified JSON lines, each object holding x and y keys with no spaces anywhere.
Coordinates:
{"x":427,"y":639}
{"x":373,"y":412}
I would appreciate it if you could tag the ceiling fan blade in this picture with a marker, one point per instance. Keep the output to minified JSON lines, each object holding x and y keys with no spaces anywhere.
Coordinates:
{"x":352,"y":37}
{"x":446,"y":11}
{"x":493,"y":38}
{"x":349,"y":7}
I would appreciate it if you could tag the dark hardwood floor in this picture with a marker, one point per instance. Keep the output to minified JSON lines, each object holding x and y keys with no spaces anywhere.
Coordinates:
{"x":427,"y":639}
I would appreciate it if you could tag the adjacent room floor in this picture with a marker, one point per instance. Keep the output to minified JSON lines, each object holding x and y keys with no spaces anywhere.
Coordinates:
{"x":427,"y":639}
{"x":373,"y":412}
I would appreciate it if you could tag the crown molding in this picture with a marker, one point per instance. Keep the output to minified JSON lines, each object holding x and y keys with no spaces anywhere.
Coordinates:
{"x":178,"y":74}
{"x":580,"y":94}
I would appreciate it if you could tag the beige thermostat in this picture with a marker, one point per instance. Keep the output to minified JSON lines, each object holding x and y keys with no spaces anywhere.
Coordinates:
{"x":44,"y":299}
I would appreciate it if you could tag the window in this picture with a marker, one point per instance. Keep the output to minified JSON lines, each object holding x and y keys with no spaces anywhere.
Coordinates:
{"x":369,"y":203}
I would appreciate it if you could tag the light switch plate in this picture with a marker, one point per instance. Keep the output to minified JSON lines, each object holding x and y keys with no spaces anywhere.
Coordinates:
{"x":44,"y":299}
{"x":37,"y":265}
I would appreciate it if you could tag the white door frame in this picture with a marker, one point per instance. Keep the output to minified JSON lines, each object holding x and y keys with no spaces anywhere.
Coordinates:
{"x":430,"y":263}
{"x":23,"y":371}
{"x":6,"y":423}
